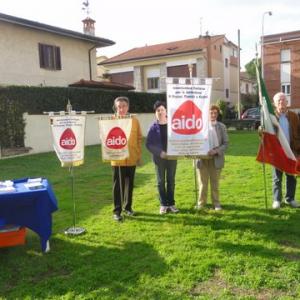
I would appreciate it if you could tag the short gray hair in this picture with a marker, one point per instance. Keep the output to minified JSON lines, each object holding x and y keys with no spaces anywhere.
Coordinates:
{"x":277,"y":97}
{"x":121,"y":99}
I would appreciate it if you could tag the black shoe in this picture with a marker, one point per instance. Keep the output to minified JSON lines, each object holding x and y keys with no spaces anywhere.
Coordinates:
{"x":117,"y":217}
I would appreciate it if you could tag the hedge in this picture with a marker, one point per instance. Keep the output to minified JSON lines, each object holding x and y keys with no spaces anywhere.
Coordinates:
{"x":15,"y":100}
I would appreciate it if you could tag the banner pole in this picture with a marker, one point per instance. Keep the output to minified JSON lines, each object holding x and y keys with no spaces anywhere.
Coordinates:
{"x":195,"y":180}
{"x":73,"y":199}
{"x":126,"y":191}
{"x":194,"y":160}
{"x":73,"y":230}
{"x":121,"y":187}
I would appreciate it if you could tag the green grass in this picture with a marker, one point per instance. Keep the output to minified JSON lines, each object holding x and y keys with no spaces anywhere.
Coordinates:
{"x":242,"y":252}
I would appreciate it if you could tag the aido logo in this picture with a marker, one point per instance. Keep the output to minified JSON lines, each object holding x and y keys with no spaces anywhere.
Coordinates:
{"x":116,"y":139}
{"x":187,"y":119}
{"x":68,"y":139}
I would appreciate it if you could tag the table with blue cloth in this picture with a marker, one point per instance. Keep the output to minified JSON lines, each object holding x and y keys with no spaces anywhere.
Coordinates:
{"x":31,"y":208}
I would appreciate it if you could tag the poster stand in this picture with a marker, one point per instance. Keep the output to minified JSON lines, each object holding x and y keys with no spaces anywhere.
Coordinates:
{"x":192,"y":82}
{"x":123,"y":191}
{"x":73,"y":230}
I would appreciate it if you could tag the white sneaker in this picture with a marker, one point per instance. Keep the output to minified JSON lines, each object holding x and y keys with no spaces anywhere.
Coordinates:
{"x":293,"y":203}
{"x":173,"y":209}
{"x":276,"y":205}
{"x":218,"y":207}
{"x":163,"y":210}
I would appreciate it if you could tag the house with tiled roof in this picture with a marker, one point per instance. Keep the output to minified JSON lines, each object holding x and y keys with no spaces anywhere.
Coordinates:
{"x":247,"y":84}
{"x":37,"y":54}
{"x":147,"y":67}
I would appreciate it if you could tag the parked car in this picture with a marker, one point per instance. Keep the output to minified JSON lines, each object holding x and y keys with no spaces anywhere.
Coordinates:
{"x":252,"y":114}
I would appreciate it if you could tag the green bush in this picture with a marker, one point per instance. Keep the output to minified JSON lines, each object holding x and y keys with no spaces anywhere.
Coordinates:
{"x":222,"y":106}
{"x":226,"y":111}
{"x":15,"y":100}
{"x":11,"y":123}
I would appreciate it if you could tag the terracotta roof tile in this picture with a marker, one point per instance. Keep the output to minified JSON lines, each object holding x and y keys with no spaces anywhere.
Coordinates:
{"x":171,"y":48}
{"x":102,"y":84}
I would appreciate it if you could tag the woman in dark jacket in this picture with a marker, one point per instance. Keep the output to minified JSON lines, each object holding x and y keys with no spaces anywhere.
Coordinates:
{"x":165,"y":169}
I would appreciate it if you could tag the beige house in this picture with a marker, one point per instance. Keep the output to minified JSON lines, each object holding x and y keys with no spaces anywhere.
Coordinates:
{"x":147,"y":67}
{"x":101,"y":69}
{"x":37,"y":54}
{"x":248,"y":85}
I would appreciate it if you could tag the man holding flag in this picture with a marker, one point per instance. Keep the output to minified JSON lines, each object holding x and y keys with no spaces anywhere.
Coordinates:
{"x":280,"y":144}
{"x":289,"y":123}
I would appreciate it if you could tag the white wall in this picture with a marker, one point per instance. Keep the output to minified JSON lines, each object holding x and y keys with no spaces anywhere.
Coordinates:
{"x":38,"y":134}
{"x":250,"y":87}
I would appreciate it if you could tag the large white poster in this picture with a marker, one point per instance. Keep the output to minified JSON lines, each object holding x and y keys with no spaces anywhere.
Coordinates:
{"x":188,"y":109}
{"x":68,"y":139}
{"x":114,"y":135}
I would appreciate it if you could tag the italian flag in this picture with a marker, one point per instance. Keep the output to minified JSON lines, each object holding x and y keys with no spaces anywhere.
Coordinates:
{"x":274,"y":148}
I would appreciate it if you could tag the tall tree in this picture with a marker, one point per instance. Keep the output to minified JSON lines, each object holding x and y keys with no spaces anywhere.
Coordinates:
{"x":251,"y":68}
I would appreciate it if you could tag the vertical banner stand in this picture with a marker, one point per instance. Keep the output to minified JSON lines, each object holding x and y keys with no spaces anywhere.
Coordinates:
{"x":124,"y":188}
{"x":192,"y":82}
{"x":72,"y":230}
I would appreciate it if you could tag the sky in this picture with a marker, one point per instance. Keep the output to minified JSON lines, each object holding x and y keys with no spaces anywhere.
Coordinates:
{"x":136,"y":23}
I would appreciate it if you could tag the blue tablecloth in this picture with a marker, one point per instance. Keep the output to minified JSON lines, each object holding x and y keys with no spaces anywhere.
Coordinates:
{"x":30,"y":208}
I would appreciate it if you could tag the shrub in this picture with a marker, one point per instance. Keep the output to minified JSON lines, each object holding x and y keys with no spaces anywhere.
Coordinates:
{"x":15,"y":100}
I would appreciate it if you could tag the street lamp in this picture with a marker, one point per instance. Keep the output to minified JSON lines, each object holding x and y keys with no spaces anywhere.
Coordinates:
{"x":262,"y":41}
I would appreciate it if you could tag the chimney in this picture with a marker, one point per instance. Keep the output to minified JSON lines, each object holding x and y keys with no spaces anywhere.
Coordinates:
{"x":89,"y":26}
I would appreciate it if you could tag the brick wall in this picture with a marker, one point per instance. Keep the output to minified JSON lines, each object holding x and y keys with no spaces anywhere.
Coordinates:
{"x":272,"y":69}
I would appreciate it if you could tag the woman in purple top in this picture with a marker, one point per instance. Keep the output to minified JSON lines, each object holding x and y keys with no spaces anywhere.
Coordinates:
{"x":165,"y":169}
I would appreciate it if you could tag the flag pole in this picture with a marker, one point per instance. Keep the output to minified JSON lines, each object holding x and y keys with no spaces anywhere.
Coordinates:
{"x":265,"y":182}
{"x":264,"y":168}
{"x":262,"y":130}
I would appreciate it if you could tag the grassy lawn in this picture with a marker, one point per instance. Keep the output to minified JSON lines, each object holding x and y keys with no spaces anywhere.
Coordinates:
{"x":242,"y":252}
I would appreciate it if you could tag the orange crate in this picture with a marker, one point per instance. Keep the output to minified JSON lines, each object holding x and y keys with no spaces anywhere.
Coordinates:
{"x":13,"y":238}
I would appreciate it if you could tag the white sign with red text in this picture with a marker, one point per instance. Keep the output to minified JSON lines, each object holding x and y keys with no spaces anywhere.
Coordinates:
{"x":114,"y":135}
{"x":68,"y":139}
{"x":188,"y":113}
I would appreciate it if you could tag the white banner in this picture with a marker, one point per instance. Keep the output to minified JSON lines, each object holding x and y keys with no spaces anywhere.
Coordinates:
{"x":68,"y":139}
{"x":188,"y":109}
{"x":114,"y":135}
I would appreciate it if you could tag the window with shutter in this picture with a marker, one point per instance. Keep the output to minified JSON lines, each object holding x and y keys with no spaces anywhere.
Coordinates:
{"x":50,"y":58}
